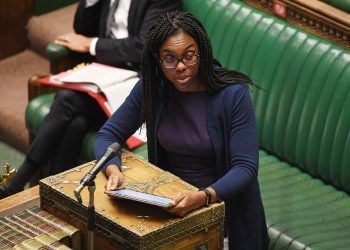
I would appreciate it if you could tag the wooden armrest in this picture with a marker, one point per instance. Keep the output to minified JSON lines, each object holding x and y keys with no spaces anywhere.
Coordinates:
{"x":62,"y":59}
{"x":35,"y":88}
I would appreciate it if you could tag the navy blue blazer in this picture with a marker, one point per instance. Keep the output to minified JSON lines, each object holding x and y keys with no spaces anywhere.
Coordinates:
{"x":231,"y":126}
{"x":91,"y":22}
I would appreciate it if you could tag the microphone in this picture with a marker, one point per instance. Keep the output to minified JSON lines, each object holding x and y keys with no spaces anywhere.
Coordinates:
{"x":111,"y":151}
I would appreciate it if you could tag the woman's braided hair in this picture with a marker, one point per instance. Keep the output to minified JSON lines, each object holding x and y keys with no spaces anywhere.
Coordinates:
{"x":169,"y":24}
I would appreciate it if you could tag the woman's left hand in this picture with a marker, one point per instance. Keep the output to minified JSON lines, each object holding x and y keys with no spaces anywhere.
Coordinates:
{"x":187,"y":201}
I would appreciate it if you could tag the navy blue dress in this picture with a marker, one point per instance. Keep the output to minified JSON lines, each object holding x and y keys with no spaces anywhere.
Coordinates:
{"x":183,"y":135}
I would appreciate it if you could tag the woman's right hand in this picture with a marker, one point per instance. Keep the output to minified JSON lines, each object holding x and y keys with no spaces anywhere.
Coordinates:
{"x":115,"y":178}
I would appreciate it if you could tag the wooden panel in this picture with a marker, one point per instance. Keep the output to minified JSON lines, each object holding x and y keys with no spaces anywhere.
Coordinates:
{"x":313,"y":16}
{"x":20,"y":201}
{"x":14,"y":16}
{"x":205,"y":239}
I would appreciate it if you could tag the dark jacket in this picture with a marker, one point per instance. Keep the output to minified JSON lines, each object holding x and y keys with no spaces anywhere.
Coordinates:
{"x":231,"y":126}
{"x":91,"y":22}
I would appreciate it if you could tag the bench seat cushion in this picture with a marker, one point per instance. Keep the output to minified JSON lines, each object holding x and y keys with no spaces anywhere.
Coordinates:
{"x":302,"y":211}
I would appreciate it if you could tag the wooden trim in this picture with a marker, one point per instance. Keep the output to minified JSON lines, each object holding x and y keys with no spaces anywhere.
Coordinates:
{"x":313,"y":16}
{"x":35,"y":88}
{"x":322,"y":9}
{"x":20,"y":201}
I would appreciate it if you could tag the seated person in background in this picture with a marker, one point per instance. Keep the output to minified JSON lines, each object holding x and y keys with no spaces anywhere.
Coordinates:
{"x":200,"y":126}
{"x":74,"y":113}
{"x":114,"y":31}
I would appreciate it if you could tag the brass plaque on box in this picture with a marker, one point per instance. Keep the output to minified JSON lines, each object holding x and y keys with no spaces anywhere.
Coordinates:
{"x":125,"y":224}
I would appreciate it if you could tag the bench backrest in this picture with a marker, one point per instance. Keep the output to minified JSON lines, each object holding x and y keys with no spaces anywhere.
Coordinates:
{"x":45,"y":6}
{"x":303,"y":116}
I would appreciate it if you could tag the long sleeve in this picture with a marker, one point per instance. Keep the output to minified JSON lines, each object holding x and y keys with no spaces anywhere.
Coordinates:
{"x":242,"y":148}
{"x":121,"y":125}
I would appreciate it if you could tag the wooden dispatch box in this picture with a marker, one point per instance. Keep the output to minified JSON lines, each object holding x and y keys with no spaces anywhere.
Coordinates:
{"x":124,"y":224}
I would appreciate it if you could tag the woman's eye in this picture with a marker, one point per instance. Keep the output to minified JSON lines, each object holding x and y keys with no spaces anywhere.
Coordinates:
{"x":169,"y":59}
{"x":188,"y":57}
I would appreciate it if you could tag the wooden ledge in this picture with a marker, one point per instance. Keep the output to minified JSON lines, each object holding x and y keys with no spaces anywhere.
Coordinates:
{"x":20,"y":201}
{"x":313,"y":16}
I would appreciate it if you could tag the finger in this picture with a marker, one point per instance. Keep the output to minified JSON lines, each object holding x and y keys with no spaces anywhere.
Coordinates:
{"x":176,"y":211}
{"x":62,"y":39}
{"x":121,"y":185}
{"x":172,"y":210}
{"x":112,"y":183}
{"x":108,"y":185}
{"x":172,"y":204}
{"x":170,"y":207}
{"x":61,"y":42}
{"x":120,"y":181}
{"x":179,"y":199}
{"x":65,"y":37}
{"x":58,"y":41}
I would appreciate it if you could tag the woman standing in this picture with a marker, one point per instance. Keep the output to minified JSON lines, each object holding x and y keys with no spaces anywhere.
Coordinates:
{"x":200,"y":126}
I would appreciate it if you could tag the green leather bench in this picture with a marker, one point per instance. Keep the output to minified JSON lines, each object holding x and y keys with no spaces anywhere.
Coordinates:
{"x":45,"y":6}
{"x":302,"y":119}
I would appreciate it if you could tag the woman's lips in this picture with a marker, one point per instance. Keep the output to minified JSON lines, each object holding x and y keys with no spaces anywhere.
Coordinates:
{"x":183,"y":78}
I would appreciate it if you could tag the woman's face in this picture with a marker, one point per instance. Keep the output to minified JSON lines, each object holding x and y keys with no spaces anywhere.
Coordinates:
{"x":179,"y":60}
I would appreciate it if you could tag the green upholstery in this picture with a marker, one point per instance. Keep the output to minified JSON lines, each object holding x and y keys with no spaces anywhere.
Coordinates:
{"x":302,"y":120}
{"x":302,"y":211}
{"x":36,"y":110}
{"x":301,"y":115}
{"x":39,"y":107}
{"x":44,"y":6}
{"x":55,"y":52}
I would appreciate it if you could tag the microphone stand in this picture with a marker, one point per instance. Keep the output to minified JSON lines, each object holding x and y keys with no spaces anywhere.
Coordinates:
{"x":91,"y":210}
{"x":91,"y":214}
{"x":89,"y":181}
